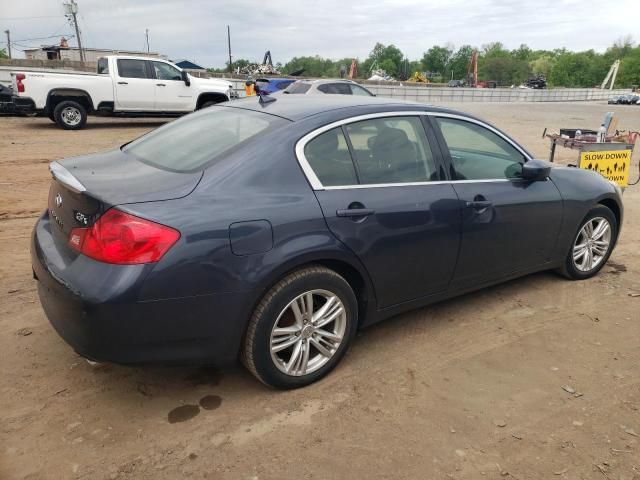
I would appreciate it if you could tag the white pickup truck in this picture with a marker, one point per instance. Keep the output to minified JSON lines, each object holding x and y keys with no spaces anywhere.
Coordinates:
{"x":123,"y":85}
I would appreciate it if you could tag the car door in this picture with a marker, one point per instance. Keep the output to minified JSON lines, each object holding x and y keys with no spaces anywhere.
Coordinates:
{"x":134,"y":85}
{"x":172,"y":94}
{"x":378,"y":183}
{"x":508,"y":224}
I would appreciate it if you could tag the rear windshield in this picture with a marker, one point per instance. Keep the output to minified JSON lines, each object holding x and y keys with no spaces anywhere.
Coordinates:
{"x":297,"y":87}
{"x":190,"y":143}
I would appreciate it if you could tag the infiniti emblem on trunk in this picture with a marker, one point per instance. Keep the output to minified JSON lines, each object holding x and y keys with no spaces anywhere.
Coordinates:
{"x":58,"y":200}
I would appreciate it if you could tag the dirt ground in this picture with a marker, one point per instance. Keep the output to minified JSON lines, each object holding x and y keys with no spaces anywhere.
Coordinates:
{"x":537,"y":378}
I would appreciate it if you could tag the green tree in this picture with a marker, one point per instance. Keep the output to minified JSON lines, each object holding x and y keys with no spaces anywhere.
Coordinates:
{"x":3,"y":53}
{"x":389,"y":58}
{"x":437,"y":59}
{"x":542,"y":65}
{"x":459,"y":63}
{"x":629,"y":69}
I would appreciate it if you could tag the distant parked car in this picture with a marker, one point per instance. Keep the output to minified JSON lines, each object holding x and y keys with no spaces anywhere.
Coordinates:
{"x":631,"y":99}
{"x":122,"y":85}
{"x":455,"y":83}
{"x":273,"y":231}
{"x":614,"y":100}
{"x":339,"y":87}
{"x":271,"y":85}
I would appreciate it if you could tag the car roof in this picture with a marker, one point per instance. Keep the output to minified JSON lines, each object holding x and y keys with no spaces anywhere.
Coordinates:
{"x":275,"y":79}
{"x":320,"y":81}
{"x":297,"y":107}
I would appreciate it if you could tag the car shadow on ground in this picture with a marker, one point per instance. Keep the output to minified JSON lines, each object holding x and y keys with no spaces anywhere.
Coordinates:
{"x":186,"y":391}
{"x":92,"y":124}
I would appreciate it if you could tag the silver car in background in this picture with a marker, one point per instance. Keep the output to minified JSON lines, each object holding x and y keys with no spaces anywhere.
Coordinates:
{"x":327,"y":86}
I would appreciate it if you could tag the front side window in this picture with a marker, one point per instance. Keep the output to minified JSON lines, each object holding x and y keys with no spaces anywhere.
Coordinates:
{"x":477,"y":153}
{"x":192,"y":142}
{"x":165,"y":71}
{"x":133,"y":69}
{"x":328,"y":155}
{"x":392,"y":150}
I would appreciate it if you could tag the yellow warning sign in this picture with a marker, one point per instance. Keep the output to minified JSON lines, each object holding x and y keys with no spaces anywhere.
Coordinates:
{"x":614,"y":165}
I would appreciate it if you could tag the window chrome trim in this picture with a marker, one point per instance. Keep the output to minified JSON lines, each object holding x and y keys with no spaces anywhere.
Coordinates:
{"x":63,"y":175}
{"x":316,"y":184}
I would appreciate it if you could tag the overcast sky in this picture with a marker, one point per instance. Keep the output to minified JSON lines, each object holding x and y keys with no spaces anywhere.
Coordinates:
{"x":331,"y":28}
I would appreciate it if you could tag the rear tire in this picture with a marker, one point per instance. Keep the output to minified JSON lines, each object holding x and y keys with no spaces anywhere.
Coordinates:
{"x":592,"y":244}
{"x":301,"y":328}
{"x":70,"y":115}
{"x":207,"y":104}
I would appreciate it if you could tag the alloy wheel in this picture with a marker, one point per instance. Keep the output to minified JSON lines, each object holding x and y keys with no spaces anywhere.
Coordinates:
{"x":308,"y":332}
{"x":71,"y":116}
{"x":592,"y":244}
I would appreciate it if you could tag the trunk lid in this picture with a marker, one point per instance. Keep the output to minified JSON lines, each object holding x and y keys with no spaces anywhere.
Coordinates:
{"x":83,"y":188}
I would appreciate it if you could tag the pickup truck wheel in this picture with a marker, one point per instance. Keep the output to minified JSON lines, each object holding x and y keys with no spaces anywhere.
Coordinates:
{"x":206,"y":104}
{"x":70,"y":115}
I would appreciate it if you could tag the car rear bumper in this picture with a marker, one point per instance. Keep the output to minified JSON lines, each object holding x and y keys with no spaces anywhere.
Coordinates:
{"x":198,"y":329}
{"x":24,"y":104}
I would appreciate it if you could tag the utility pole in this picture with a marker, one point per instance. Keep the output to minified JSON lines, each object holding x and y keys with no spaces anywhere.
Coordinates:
{"x":71,"y":10}
{"x":8,"y":42}
{"x":229,"y":43}
{"x":146,"y":34}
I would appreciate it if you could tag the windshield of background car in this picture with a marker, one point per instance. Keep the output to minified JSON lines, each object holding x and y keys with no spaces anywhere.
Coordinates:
{"x":297,"y":87}
{"x":197,"y":140}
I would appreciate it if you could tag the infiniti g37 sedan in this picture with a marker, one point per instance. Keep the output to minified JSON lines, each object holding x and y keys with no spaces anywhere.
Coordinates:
{"x":271,"y":231}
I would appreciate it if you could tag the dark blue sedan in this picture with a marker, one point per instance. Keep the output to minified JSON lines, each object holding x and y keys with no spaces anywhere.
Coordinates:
{"x":272,"y":85}
{"x":271,"y":231}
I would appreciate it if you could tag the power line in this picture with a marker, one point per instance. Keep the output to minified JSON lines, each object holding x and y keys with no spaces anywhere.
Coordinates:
{"x":41,"y":38}
{"x":28,"y":18}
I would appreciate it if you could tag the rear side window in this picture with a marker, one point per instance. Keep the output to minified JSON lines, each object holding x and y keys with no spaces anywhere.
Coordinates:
{"x":358,"y":90}
{"x":298,"y":87}
{"x":283,"y":85}
{"x":328,"y":155}
{"x":192,"y":142}
{"x":392,"y":150}
{"x":133,"y":69}
{"x":103,"y":66}
{"x":335,"y":88}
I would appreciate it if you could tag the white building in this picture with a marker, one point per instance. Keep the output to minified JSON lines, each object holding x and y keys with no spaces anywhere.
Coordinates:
{"x":65,"y":52}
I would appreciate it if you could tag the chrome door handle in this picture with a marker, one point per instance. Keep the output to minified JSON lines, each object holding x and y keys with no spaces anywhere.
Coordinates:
{"x":479,"y":204}
{"x":355,"y":212}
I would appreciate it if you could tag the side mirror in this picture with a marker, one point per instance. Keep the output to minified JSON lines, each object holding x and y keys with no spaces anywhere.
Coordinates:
{"x":536,"y":170}
{"x":185,"y":78}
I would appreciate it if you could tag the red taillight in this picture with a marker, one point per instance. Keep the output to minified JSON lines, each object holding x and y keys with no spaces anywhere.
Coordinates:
{"x":19,"y":84}
{"x":121,"y":238}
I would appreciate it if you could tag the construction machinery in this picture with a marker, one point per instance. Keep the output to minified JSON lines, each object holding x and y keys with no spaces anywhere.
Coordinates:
{"x":418,"y":77}
{"x":613,"y":72}
{"x":472,"y":70}
{"x":353,"y":70}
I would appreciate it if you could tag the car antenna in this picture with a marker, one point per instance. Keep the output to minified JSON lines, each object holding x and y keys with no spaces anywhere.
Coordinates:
{"x":266,"y":98}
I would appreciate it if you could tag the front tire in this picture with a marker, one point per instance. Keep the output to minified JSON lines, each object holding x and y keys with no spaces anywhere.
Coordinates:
{"x":592,"y":244}
{"x":70,"y":115}
{"x":301,"y":328}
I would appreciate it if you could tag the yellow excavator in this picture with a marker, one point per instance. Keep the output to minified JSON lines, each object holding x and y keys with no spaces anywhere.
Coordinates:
{"x":418,"y":77}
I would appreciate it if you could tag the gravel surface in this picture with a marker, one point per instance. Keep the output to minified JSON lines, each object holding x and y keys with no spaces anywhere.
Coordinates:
{"x":536,"y":378}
